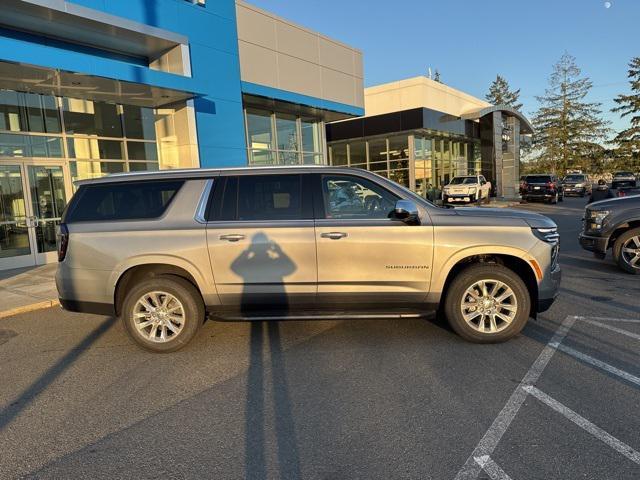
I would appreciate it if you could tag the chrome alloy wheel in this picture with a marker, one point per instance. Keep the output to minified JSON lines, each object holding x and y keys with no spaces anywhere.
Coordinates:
{"x":489,"y":306}
{"x":631,"y":252}
{"x":158,"y":316}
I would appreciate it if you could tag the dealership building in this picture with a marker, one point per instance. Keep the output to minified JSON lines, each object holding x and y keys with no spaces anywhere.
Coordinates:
{"x":96,"y":87}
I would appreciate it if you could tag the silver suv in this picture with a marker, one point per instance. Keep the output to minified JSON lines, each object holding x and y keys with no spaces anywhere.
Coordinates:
{"x":165,"y":250}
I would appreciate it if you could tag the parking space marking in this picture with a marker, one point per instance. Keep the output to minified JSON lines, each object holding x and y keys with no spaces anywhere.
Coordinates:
{"x":609,"y":327}
{"x":491,"y":468}
{"x":606,"y":319}
{"x":598,"y":363}
{"x":585,"y":424}
{"x":471,"y":469}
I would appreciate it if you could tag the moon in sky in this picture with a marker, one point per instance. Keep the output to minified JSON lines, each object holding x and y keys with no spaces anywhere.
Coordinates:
{"x":607,"y":4}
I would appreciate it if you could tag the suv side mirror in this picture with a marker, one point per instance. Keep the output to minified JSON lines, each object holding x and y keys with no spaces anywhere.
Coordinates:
{"x":407,"y":212}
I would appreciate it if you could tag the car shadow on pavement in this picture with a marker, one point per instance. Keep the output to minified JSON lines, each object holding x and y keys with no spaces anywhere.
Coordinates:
{"x":8,"y":414}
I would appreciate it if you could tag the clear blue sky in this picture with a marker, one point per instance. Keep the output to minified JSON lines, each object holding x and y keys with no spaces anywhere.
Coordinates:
{"x":470,"y":41}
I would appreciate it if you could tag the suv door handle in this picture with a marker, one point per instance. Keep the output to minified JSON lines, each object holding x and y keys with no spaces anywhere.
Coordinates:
{"x":333,"y":235}
{"x":232,"y":237}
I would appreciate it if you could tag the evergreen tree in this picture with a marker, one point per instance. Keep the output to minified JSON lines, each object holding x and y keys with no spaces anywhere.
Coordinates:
{"x":628,"y":140}
{"x":566,"y":124}
{"x":501,"y":94}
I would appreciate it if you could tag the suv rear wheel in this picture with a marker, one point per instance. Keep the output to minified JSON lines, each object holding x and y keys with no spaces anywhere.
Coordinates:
{"x":626,"y":251}
{"x":487,"y":304}
{"x":163,"y":314}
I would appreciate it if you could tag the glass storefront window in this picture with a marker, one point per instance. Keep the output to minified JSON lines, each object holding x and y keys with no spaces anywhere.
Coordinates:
{"x":139,"y":122}
{"x":262,"y":157}
{"x":92,"y":148}
{"x":338,"y":153}
{"x":259,"y":129}
{"x":28,"y":112}
{"x":142,"y":151}
{"x":15,"y":145}
{"x":358,"y":154}
{"x":310,"y":135}
{"x":81,"y":169}
{"x":286,"y":131}
{"x":143,"y":166}
{"x":378,"y":150}
{"x":288,"y":158}
{"x":312,"y":159}
{"x":87,"y":117}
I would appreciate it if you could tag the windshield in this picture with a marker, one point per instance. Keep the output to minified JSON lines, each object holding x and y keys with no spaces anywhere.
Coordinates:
{"x":463,"y":180}
{"x":574,"y":178}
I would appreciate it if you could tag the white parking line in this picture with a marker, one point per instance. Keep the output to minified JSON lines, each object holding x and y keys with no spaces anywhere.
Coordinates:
{"x":585,"y":424}
{"x":598,"y":363}
{"x":606,"y":319}
{"x":471,"y":469}
{"x":491,"y":468}
{"x":609,"y":327}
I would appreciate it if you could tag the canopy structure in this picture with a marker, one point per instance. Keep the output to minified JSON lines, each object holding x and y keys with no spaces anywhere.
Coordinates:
{"x":525,"y":126}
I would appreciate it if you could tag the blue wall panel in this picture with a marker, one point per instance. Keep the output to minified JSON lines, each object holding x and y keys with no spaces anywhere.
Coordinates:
{"x":215,"y":65}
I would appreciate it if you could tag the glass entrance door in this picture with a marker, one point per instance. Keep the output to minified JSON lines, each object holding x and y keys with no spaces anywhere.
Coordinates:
{"x":15,"y":244}
{"x":32,"y":199}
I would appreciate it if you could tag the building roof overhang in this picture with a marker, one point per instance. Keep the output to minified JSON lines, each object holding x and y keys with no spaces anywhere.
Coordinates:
{"x":52,"y":81}
{"x":525,"y":126}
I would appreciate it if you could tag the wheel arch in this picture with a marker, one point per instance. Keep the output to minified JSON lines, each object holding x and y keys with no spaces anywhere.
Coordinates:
{"x":519,"y":263}
{"x":621,"y":228}
{"x":139,"y":271}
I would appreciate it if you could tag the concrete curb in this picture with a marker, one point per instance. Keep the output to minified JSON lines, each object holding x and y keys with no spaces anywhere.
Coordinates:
{"x":29,"y":308}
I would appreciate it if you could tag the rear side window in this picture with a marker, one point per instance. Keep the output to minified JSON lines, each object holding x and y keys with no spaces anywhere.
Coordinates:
{"x":122,"y":201}
{"x":270,"y":197}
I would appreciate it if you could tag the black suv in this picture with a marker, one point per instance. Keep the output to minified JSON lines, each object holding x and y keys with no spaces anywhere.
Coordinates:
{"x":614,"y":224}
{"x":546,"y":187}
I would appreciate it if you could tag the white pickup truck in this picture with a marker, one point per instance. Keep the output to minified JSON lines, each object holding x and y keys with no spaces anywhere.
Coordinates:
{"x":467,"y":189}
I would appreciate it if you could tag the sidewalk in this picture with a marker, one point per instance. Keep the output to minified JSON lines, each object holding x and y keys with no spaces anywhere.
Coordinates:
{"x":27,"y":289}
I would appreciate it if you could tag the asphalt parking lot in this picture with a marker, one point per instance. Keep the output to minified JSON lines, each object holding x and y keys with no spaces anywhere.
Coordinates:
{"x":335,"y":399}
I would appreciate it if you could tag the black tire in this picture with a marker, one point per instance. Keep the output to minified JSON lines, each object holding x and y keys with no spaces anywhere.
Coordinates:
{"x":468,"y":277}
{"x":617,"y":251}
{"x":184,"y":292}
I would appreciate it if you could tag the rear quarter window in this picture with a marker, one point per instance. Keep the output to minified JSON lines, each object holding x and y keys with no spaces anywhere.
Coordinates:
{"x":122,"y":201}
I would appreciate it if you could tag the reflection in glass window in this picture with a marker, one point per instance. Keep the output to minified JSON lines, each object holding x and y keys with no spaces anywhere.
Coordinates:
{"x":143,"y":166}
{"x":139,"y":122}
{"x":288,"y":158}
{"x":142,"y":151}
{"x":358,"y":154}
{"x":12,"y":145}
{"x":312,"y":159}
{"x":92,"y":148}
{"x":378,"y":150}
{"x":28,"y":112}
{"x":310,"y":135}
{"x":351,"y":197}
{"x":259,"y":129}
{"x":270,"y":197}
{"x":338,"y":153}
{"x":287,"y":132}
{"x":82,"y":169}
{"x":262,"y":157}
{"x":91,"y":118}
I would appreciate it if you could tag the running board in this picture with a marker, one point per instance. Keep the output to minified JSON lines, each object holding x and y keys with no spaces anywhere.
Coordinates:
{"x":337,"y":316}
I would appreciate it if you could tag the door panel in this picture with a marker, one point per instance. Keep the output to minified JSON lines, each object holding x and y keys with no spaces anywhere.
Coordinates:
{"x":48,"y":199}
{"x":259,"y":264}
{"x":364,"y":256}
{"x":384,"y":262}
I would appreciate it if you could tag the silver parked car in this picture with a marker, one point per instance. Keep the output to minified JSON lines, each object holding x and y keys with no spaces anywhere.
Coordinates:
{"x":165,"y":250}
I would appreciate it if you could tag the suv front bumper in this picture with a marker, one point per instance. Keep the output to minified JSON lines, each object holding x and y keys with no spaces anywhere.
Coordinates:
{"x":593,"y":243}
{"x":548,"y":289}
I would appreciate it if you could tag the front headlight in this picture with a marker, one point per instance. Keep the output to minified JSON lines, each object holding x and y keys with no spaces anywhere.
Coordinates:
{"x":579,"y":185}
{"x":596,"y":218}
{"x":472,"y":191}
{"x":551,"y":236}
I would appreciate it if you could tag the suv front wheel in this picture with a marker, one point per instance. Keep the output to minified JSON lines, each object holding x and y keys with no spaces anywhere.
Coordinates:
{"x":163,"y":314}
{"x":487,"y":304}
{"x":626,"y":251}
